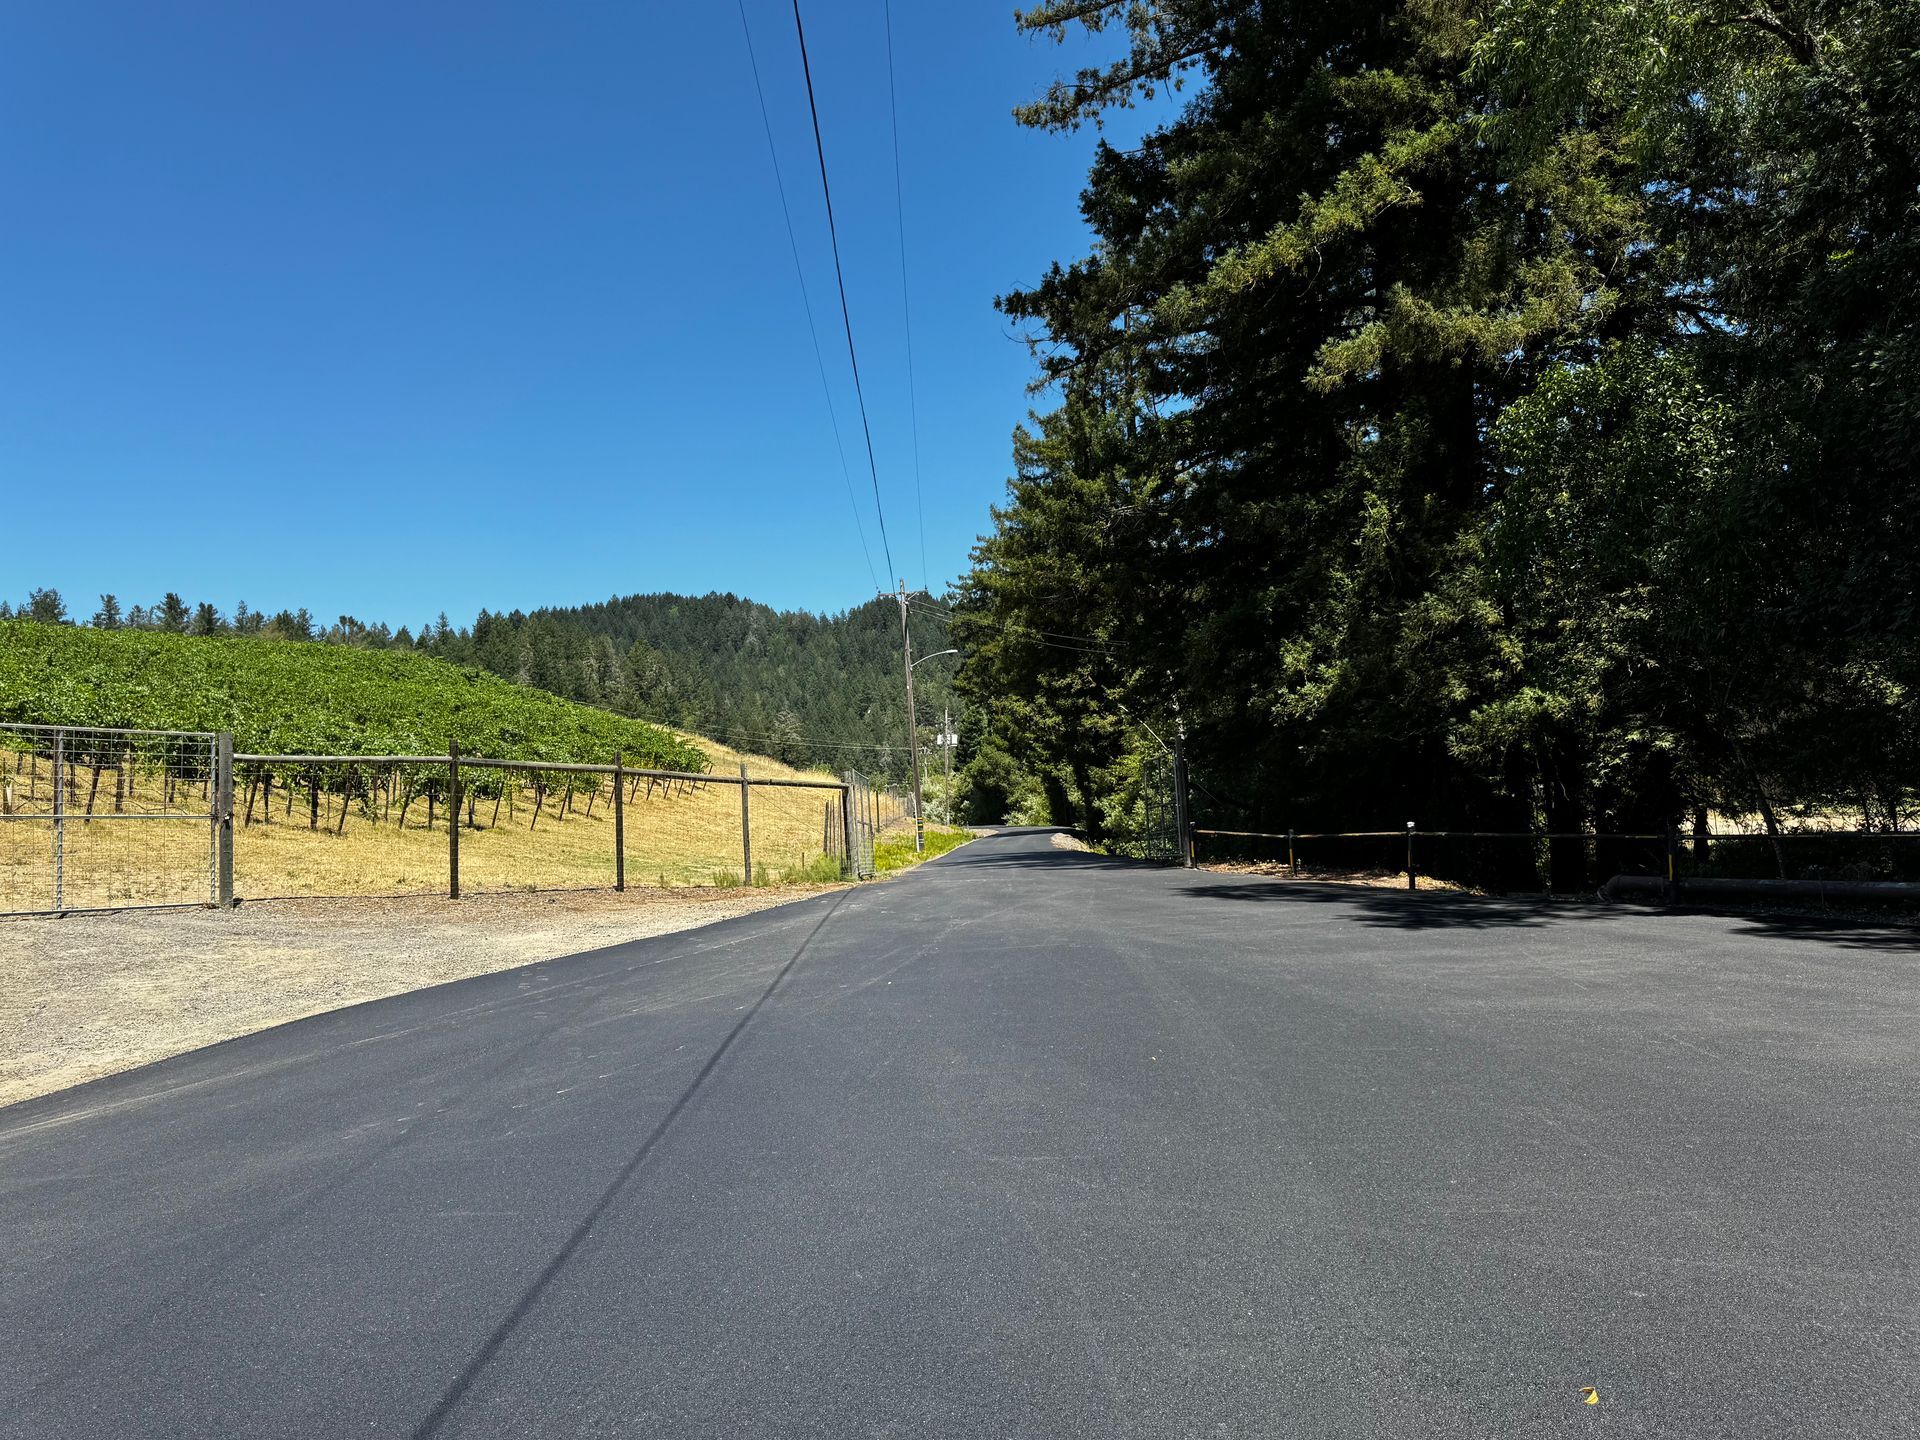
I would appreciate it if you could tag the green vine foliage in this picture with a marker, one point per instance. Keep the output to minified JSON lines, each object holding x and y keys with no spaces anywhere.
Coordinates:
{"x":285,"y":698}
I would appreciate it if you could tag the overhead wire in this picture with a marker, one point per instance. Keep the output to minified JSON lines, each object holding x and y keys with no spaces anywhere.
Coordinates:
{"x":799,"y":274}
{"x":1089,"y":643}
{"x":906,"y":307}
{"x":839,"y":275}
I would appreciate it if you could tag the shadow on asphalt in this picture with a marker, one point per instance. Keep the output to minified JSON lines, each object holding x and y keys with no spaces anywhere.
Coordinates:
{"x":1401,"y":909}
{"x":985,"y":857}
{"x":1443,"y":910}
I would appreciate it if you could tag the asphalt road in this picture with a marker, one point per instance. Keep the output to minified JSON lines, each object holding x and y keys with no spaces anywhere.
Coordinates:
{"x":1026,"y":1143}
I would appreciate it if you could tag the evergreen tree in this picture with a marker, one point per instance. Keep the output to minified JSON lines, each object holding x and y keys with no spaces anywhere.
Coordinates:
{"x":108,"y":616}
{"x":173,"y":614}
{"x":46,"y":606}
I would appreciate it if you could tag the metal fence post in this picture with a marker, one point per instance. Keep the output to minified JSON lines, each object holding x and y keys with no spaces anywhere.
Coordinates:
{"x":619,"y":822}
{"x":1293,"y":863}
{"x":1411,"y":884}
{"x":223,"y":820}
{"x":59,"y":819}
{"x":746,"y":830}
{"x":453,"y":819}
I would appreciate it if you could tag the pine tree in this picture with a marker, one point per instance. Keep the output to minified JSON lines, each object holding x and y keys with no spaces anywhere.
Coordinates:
{"x":46,"y":606}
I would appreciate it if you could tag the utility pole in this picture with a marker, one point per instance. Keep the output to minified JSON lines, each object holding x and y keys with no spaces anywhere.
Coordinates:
{"x":946,"y":757}
{"x":913,"y":731}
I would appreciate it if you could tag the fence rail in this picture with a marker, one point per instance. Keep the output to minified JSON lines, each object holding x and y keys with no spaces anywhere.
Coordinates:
{"x":1568,"y":860}
{"x":352,"y":823}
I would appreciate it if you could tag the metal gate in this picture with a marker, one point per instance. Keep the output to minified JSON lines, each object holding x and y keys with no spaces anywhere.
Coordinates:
{"x":1159,"y":810}
{"x":863,"y":824}
{"x":94,"y":819}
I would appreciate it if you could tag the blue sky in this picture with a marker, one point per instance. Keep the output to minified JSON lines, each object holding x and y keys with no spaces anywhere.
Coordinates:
{"x":385,"y":309}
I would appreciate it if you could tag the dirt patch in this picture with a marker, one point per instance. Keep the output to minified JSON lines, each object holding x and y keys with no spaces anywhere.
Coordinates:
{"x":1062,"y":841}
{"x":1372,"y":879}
{"x":94,"y":994}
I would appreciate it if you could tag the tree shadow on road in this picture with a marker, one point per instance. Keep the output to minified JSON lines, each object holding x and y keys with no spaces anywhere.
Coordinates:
{"x":1449,"y":910}
{"x":1036,"y":857}
{"x":1398,"y":909}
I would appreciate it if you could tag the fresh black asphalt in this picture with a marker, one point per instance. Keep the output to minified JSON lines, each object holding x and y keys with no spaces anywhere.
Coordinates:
{"x":1024,"y":1143}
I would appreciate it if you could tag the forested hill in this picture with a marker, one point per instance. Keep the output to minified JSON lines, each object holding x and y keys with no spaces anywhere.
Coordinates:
{"x":805,"y":688}
{"x":809,"y":690}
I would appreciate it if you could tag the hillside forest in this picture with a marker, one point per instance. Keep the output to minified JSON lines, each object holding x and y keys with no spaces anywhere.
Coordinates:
{"x":1497,"y":412}
{"x":822,"y":691}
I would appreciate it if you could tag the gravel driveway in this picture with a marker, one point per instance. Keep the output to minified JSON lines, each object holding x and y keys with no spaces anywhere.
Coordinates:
{"x":93,"y":994}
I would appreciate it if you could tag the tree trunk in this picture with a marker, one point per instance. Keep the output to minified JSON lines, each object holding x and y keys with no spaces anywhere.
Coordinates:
{"x":1566,"y":815}
{"x":1773,"y":833}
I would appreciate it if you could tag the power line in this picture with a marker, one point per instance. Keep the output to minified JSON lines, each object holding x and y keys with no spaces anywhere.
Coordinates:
{"x":839,"y":275}
{"x":906,"y":308}
{"x":799,"y":274}
{"x":1087,"y":643}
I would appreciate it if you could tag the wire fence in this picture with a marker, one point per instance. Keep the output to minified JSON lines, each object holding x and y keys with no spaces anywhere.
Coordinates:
{"x":224,"y":826}
{"x":1526,"y":862}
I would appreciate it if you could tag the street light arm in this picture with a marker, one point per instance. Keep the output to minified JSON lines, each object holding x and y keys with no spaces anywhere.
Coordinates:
{"x":935,"y":656}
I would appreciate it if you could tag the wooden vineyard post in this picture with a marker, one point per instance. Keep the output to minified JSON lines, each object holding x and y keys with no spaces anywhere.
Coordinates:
{"x":746,"y":830}
{"x":619,"y":823}
{"x":851,"y":865}
{"x":453,"y":819}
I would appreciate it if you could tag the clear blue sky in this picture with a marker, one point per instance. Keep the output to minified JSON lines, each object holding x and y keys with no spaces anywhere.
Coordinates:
{"x":383,"y":309}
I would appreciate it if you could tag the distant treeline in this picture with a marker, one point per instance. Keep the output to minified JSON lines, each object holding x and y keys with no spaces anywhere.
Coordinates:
{"x":806,"y":689}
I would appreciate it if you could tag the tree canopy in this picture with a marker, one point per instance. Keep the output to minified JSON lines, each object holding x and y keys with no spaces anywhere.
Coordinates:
{"x":1499,"y":411}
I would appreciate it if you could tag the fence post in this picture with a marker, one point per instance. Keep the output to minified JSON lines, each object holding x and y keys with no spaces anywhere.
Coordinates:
{"x":1293,"y":864}
{"x":1411,"y":883}
{"x":619,"y":822}
{"x":453,"y":819}
{"x":223,"y":820}
{"x":59,"y":820}
{"x":746,"y":830}
{"x":1673,"y":859}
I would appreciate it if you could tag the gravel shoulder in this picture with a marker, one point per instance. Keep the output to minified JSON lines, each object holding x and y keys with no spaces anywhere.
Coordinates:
{"x":91,"y":995}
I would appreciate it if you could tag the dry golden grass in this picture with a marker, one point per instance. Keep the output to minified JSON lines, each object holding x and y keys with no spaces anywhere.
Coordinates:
{"x":676,"y":834}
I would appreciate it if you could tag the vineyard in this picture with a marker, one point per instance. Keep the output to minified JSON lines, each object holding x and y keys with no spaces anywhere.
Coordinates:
{"x":362,"y":828}
{"x":283,"y":698}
